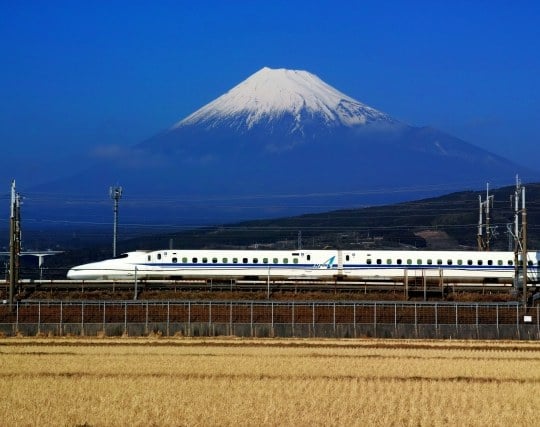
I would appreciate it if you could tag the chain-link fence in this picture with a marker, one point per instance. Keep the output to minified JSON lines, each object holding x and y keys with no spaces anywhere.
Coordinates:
{"x":263,"y":318}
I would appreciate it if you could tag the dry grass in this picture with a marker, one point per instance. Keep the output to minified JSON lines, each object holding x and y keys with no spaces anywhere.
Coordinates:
{"x":180,"y":381}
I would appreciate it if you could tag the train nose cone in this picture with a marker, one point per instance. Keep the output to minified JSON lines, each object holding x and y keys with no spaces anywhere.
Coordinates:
{"x":72,"y":274}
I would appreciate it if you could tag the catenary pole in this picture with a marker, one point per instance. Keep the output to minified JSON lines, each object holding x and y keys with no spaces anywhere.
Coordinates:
{"x":524,"y":246}
{"x":14,"y":244}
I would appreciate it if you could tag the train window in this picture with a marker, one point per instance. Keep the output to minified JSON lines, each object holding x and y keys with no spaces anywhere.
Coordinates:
{"x":399,"y":261}
{"x":419,"y":261}
{"x":510,"y":262}
{"x":194,"y":260}
{"x":347,"y":258}
{"x":158,"y":256}
{"x":285,"y":261}
{"x":245,"y":260}
{"x":480,"y":262}
{"x":460,"y":262}
{"x":255,"y":260}
{"x":175,"y":260}
{"x":214,"y":260}
{"x":499,"y":262}
{"x":148,"y":257}
{"x":409,"y":261}
{"x":205,"y":260}
{"x":529,"y":263}
{"x":429,"y":262}
{"x":225,"y":260}
{"x":184,"y":260}
{"x":379,"y":261}
{"x":295,"y":260}
{"x":449,"y":262}
{"x":490,"y":262}
{"x":439,"y":262}
{"x":308,"y":257}
{"x":275,"y":260}
{"x":389,"y":261}
{"x":265,"y":260}
{"x":235,"y":260}
{"x":368,"y":261}
{"x":469,"y":262}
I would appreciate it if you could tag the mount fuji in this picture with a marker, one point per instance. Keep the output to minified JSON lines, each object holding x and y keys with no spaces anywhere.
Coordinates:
{"x":284,"y":142}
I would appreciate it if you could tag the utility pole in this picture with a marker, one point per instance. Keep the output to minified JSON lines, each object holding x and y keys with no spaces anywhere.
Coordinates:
{"x":516,"y":236}
{"x":484,"y":242}
{"x":299,"y":240}
{"x":520,"y":242}
{"x":116,"y":194}
{"x":524,"y":257}
{"x":14,"y":243}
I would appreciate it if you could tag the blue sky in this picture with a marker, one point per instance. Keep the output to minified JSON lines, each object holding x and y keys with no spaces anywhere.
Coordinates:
{"x":76,"y":75}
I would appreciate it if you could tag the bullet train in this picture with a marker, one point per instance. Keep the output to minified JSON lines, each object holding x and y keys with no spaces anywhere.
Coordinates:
{"x":305,"y":264}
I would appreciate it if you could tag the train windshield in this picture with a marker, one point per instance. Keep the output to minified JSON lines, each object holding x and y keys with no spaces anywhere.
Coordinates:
{"x":121,"y":256}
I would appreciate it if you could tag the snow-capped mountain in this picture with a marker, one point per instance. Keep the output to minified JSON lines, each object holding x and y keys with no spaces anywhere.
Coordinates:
{"x":270,"y":96}
{"x":284,"y":142}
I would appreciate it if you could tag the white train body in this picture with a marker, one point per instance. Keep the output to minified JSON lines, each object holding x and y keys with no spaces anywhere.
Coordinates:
{"x":308,"y":264}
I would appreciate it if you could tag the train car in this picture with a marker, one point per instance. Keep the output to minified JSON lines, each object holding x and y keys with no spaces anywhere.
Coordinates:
{"x":473,"y":266}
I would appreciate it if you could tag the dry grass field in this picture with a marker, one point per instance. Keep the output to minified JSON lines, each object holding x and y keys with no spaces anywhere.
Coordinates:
{"x":200,"y":382}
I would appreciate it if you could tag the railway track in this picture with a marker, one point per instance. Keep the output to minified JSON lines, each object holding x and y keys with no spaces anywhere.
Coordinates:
{"x":406,"y":288}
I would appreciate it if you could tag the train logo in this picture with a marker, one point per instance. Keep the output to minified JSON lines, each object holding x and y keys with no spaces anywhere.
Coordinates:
{"x":327,"y":264}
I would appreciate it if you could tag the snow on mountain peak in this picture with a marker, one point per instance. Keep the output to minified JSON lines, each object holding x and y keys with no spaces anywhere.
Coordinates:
{"x":270,"y":94}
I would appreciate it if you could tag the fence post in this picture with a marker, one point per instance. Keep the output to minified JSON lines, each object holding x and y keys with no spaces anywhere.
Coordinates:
{"x":497,"y":312}
{"x":457,"y":322}
{"x":104,"y":318}
{"x":436,"y":322}
{"x":272,"y":318}
{"x":39,"y":317}
{"x":230,"y":319}
{"x":125,"y":318}
{"x":415,"y":321}
{"x":517,"y":321}
{"x":17,"y":318}
{"x":334,"y":319}
{"x":168,"y":318}
{"x":313,"y":318}
{"x":354,"y":319}
{"x":146,"y":320}
{"x":189,"y":318}
{"x":82,"y":318}
{"x":251,"y":319}
{"x":209,"y":318}
{"x":292,"y":323}
{"x":477,"y":327}
{"x":395,"y":319}
{"x":375,"y":320}
{"x":60,"y":331}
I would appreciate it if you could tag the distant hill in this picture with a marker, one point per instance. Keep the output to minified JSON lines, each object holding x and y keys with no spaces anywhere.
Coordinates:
{"x":447,"y":222}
